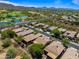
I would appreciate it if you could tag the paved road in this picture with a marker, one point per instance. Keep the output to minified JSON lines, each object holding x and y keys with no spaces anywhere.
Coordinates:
{"x":74,"y":45}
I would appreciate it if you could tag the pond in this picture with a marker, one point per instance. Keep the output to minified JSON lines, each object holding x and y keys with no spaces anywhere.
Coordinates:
{"x":13,"y":21}
{"x":17,"y":21}
{"x":20,"y":16}
{"x":5,"y":24}
{"x":23,"y":16}
{"x":1,"y":23}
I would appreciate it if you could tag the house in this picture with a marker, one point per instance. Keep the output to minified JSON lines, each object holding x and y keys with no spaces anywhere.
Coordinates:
{"x":45,"y":26}
{"x":62,"y":30}
{"x":39,"y":29}
{"x":39,"y":25}
{"x":17,"y":57}
{"x":18,"y":30}
{"x":25,"y":32}
{"x":31,"y":37}
{"x":16,"y":26}
{"x":25,"y":28}
{"x":78,"y":35}
{"x":52,"y":28}
{"x":3,"y":55}
{"x":70,"y":34}
{"x":54,"y":50}
{"x":43,"y":40}
{"x":32,"y":23}
{"x":4,"y":29}
{"x":71,"y":53}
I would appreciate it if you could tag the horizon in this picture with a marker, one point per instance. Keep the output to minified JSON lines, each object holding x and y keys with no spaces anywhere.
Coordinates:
{"x":70,"y":4}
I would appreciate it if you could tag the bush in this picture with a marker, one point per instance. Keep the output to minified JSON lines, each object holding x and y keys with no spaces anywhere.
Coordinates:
{"x":56,"y":32}
{"x":11,"y":53}
{"x":36,"y":50}
{"x":19,"y":39}
{"x":24,"y":56}
{"x":6,"y":43}
{"x":65,"y":41}
{"x":8,"y":34}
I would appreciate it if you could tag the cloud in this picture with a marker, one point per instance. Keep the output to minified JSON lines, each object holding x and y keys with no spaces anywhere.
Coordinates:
{"x":75,"y":2}
{"x":60,"y":4}
{"x":18,"y":4}
{"x":55,"y":3}
{"x":8,"y":2}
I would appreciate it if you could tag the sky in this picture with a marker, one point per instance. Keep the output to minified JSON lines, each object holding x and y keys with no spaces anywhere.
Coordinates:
{"x":72,"y":4}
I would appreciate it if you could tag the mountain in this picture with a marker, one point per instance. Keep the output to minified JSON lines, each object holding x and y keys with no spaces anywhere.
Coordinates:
{"x":10,"y":6}
{"x":13,"y":7}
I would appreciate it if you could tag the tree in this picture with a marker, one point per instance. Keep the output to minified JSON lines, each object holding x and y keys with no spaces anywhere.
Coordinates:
{"x":11,"y":53}
{"x":56,"y":33}
{"x":0,"y":31}
{"x":6,"y":43}
{"x":9,"y":16}
{"x":8,"y":34}
{"x":24,"y":56}
{"x":77,"y":40}
{"x":19,"y":39}
{"x":36,"y":50}
{"x":65,"y":41}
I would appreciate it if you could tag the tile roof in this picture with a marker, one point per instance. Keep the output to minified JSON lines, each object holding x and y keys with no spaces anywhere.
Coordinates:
{"x":18,"y":29}
{"x":71,"y":53}
{"x":54,"y":49}
{"x":31,"y":37}
{"x":25,"y":32}
{"x":70,"y":34}
{"x":43,"y":40}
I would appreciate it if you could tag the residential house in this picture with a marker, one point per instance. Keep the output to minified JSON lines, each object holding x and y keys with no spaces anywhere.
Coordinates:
{"x":70,"y":34}
{"x":45,"y":26}
{"x":25,"y":32}
{"x":43,"y":40}
{"x":52,"y":28}
{"x":3,"y":55}
{"x":62,"y":30}
{"x":4,"y":29}
{"x":33,"y":23}
{"x":71,"y":53}
{"x":31,"y":37}
{"x":39,"y":25}
{"x":78,"y":35}
{"x":54,"y":50}
{"x":18,"y":30}
{"x":17,"y":57}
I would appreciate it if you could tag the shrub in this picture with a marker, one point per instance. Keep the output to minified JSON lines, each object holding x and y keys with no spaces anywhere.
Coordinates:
{"x":11,"y":53}
{"x":6,"y":43}
{"x":56,"y":32}
{"x":8,"y":34}
{"x":19,"y":38}
{"x":36,"y":50}
{"x":65,"y":41}
{"x":24,"y":56}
